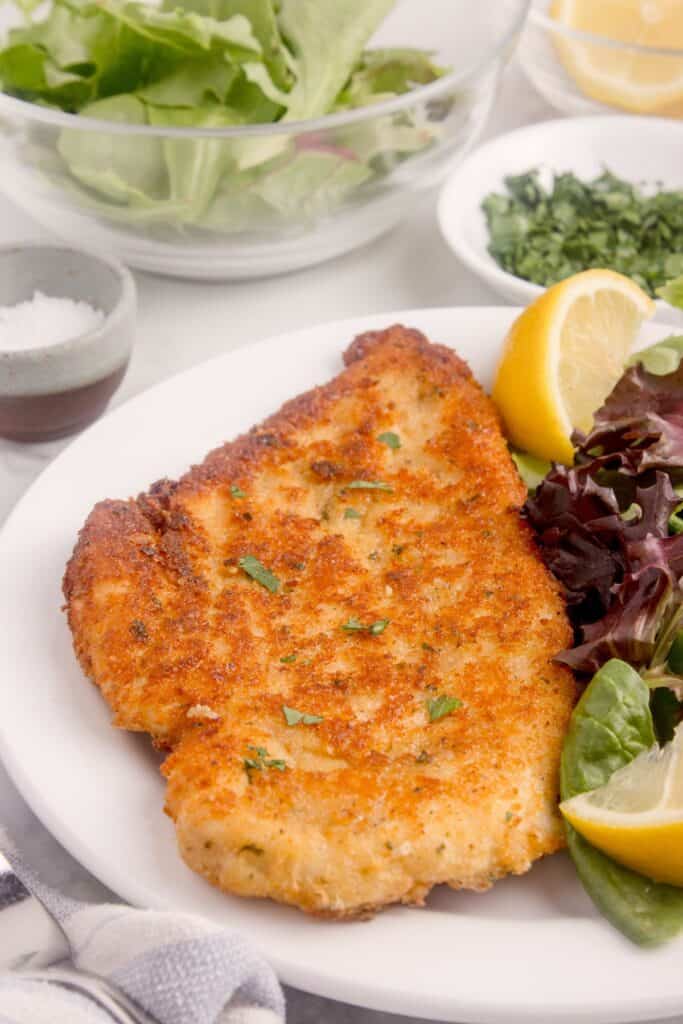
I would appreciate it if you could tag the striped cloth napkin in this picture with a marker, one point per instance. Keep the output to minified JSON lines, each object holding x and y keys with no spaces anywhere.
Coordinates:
{"x":111,"y":963}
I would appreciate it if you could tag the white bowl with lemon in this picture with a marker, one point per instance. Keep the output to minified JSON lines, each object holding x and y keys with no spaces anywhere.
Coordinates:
{"x":642,"y":151}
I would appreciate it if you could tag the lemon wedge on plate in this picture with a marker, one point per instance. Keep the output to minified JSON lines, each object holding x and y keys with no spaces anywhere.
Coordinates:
{"x":563,"y":356}
{"x":637,"y":817}
{"x":645,"y":83}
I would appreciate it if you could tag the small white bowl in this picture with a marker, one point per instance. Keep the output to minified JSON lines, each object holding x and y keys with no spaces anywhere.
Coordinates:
{"x":638,"y":149}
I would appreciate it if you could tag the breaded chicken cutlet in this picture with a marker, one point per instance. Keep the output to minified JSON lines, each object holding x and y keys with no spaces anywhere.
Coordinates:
{"x":338,"y":627}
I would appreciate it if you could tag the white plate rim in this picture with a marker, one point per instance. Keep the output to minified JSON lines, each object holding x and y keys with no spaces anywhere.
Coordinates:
{"x":486,"y":1008}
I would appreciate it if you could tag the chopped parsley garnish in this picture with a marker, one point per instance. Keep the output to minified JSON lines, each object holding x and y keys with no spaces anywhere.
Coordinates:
{"x":354,"y":626}
{"x":258,"y":572}
{"x":237,"y":492}
{"x":262,"y":761}
{"x":547,"y":234}
{"x":287,"y":659}
{"x":368,"y":485}
{"x":139,"y":630}
{"x":428,"y":647}
{"x":294,"y":717}
{"x":439,"y":707}
{"x":374,"y":628}
{"x":390,"y":439}
{"x":352,"y":513}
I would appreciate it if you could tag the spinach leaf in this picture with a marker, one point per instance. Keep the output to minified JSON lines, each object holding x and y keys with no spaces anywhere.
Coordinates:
{"x":610,"y":726}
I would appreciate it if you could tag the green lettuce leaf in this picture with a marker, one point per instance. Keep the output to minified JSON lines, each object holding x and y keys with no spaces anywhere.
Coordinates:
{"x":262,"y":18}
{"x":216,"y":63}
{"x":382,"y":74}
{"x":611,"y":725}
{"x":662,"y":358}
{"x":194,"y":165}
{"x":326,"y":38}
{"x":672,"y":292}
{"x":123,"y":168}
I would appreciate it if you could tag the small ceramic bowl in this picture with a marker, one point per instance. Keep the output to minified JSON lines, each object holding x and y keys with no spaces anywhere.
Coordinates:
{"x":56,"y":390}
{"x":638,"y":149}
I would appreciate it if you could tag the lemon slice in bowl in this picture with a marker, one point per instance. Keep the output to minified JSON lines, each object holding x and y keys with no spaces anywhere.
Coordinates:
{"x":623,"y":76}
{"x":563,"y":356}
{"x":637,"y":817}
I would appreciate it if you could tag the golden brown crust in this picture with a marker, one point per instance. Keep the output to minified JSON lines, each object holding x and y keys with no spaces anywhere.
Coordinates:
{"x":376,"y":803}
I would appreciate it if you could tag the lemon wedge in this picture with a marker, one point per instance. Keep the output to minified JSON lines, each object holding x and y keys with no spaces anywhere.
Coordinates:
{"x":637,"y":817}
{"x":645,"y":83}
{"x":563,"y":356}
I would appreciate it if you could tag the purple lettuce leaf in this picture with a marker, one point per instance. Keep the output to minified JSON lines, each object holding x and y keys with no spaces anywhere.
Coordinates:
{"x":584,"y":538}
{"x":641,"y":424}
{"x":642,"y":603}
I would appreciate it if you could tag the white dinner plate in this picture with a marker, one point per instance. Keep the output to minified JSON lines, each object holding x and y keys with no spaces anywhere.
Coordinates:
{"x":530,"y":950}
{"x":642,"y":150}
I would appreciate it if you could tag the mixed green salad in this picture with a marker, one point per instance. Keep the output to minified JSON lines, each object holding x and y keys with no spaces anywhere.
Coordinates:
{"x":215,"y":64}
{"x":610,"y":528}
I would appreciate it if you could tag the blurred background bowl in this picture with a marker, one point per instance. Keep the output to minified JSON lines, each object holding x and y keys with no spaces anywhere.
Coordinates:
{"x":46,"y":157}
{"x":616,"y":66}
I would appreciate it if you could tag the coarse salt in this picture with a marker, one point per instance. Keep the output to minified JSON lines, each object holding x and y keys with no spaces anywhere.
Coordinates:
{"x":45,"y":320}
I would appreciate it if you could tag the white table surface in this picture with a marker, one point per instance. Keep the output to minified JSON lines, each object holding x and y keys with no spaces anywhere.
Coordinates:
{"x":181,"y":324}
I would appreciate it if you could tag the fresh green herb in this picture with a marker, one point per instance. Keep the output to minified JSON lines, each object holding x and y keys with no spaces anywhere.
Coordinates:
{"x":354,"y":626}
{"x":428,"y":647}
{"x":610,"y":726}
{"x":262,"y":762}
{"x":237,"y":492}
{"x":211,"y":65}
{"x":368,"y":485}
{"x":288,"y":659}
{"x":294,"y":717}
{"x":139,"y":630}
{"x":258,"y":572}
{"x":374,"y":629}
{"x":547,"y":234}
{"x":439,"y":707}
{"x":352,"y":513}
{"x":390,"y":439}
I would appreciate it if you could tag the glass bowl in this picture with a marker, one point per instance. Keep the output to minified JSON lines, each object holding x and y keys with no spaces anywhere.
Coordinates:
{"x":303,"y":192}
{"x":582,"y":73}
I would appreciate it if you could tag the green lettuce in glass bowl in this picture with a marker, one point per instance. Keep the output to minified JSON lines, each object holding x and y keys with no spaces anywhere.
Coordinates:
{"x":236,"y":138}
